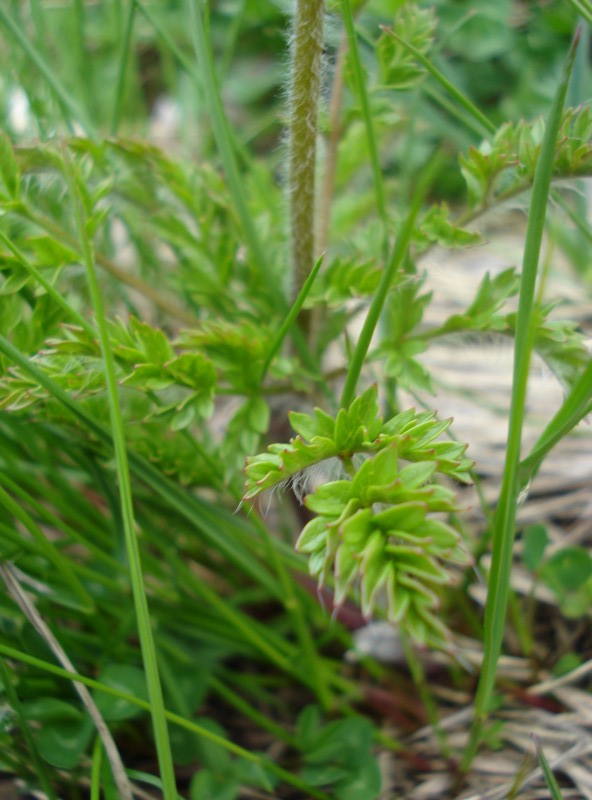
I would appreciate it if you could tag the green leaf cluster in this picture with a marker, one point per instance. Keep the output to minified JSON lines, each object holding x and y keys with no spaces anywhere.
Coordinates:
{"x":504,"y":166}
{"x":148,"y":363}
{"x":437,"y":227}
{"x":398,"y":67}
{"x":343,"y":280}
{"x":560,"y":343}
{"x":375,"y":526}
{"x":401,"y":343}
{"x":238,"y":350}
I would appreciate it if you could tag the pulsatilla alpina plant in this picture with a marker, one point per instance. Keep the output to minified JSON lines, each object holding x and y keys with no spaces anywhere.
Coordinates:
{"x":156,"y":317}
{"x":376,"y":526}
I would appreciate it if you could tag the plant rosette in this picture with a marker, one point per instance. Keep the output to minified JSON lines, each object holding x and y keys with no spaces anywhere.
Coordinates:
{"x":381,"y":525}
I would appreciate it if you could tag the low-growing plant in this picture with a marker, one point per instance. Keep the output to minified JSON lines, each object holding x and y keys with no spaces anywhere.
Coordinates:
{"x":164,"y":319}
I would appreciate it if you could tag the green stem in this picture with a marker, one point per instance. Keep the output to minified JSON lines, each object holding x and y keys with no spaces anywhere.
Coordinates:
{"x":464,"y":101}
{"x":584,"y":7}
{"x":175,"y":719}
{"x":305,"y":84}
{"x":49,"y":550}
{"x":95,"y":775}
{"x":224,"y":138}
{"x":67,"y":103}
{"x":360,"y":83}
{"x":501,"y":562}
{"x":120,"y":85}
{"x":333,"y":136}
{"x":289,"y":320}
{"x":397,"y":256}
{"x":159,"y":723}
{"x":162,"y":300}
{"x":575,"y":407}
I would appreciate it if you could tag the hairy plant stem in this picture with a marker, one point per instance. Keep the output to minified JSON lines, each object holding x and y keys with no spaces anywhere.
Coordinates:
{"x":305,"y":83}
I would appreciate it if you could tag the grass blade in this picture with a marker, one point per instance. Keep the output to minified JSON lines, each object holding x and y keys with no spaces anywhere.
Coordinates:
{"x":24,"y":603}
{"x":460,"y":98}
{"x":576,"y":406}
{"x":49,"y":550}
{"x":504,"y":530}
{"x":95,"y":774}
{"x":223,"y":138}
{"x":159,"y":723}
{"x":583,"y":7}
{"x":175,"y":719}
{"x":550,"y":779}
{"x":358,"y":73}
{"x":291,"y":317}
{"x":396,"y":259}
{"x":219,"y":528}
{"x":65,"y":100}
{"x":123,"y":62}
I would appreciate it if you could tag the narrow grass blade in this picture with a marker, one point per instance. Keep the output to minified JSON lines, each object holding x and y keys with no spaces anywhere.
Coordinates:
{"x":159,"y":723}
{"x":578,"y":219}
{"x":223,"y":138}
{"x":95,"y":774}
{"x":487,"y":126}
{"x":35,"y":619}
{"x":43,"y":513}
{"x":233,"y":37}
{"x":504,"y":530}
{"x":550,"y":779}
{"x":49,"y":550}
{"x":175,"y":719}
{"x":360,"y":82}
{"x":583,"y":7}
{"x":388,"y":275}
{"x":65,"y":99}
{"x":169,"y":42}
{"x":576,"y":406}
{"x":219,"y":528}
{"x":82,"y":65}
{"x":123,"y":62}
{"x":291,"y":317}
